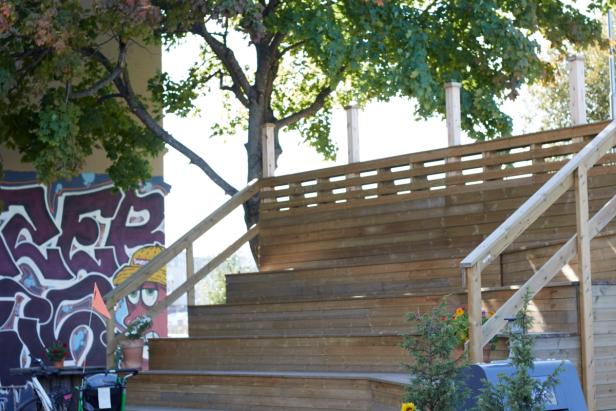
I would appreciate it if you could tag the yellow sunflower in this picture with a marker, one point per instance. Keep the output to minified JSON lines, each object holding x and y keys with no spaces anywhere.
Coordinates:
{"x":408,"y":406}
{"x":459,"y":312}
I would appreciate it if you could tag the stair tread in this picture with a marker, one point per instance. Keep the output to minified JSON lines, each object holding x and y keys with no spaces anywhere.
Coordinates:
{"x":393,"y":378}
{"x":547,"y":334}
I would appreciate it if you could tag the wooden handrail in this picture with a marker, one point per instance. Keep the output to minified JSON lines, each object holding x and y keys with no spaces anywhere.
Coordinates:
{"x":184,"y":243}
{"x":169,"y":253}
{"x":572,"y":174}
{"x":203,"y":272}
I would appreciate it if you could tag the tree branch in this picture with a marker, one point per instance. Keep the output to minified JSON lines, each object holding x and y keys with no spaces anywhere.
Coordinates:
{"x":106,"y":80}
{"x":226,"y":56}
{"x":315,"y":106}
{"x":276,"y":41}
{"x":270,"y":8}
{"x":123,"y":85}
{"x":290,"y":47}
{"x":106,"y":97}
{"x":235,"y":89}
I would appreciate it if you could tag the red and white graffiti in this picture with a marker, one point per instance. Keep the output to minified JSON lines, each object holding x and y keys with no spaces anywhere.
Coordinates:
{"x":55,"y":243}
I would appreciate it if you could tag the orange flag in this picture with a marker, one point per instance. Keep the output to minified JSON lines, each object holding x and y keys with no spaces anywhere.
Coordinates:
{"x":98,"y":304}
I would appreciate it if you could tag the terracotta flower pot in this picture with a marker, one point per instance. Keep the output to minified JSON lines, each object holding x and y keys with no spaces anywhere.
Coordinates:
{"x":132,"y":353}
{"x":487,"y":353}
{"x":59,"y":363}
{"x":457,"y":353}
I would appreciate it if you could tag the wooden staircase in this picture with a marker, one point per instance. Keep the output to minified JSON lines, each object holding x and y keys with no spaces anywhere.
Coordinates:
{"x":346,"y":252}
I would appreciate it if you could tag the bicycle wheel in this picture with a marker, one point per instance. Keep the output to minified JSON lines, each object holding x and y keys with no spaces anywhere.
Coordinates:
{"x":30,"y":405}
{"x":61,"y":402}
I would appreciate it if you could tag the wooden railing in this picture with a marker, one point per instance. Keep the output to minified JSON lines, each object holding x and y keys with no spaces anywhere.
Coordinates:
{"x":424,"y":174}
{"x":185,"y":243}
{"x":573,"y":174}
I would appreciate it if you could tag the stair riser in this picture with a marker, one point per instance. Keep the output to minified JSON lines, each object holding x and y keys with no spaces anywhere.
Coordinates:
{"x":555,"y":311}
{"x":244,"y":393}
{"x":351,"y":354}
{"x":412,"y":230}
{"x":395,"y":279}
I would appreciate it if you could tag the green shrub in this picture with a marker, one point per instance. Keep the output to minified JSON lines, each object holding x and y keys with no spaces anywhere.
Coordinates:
{"x":436,"y":379}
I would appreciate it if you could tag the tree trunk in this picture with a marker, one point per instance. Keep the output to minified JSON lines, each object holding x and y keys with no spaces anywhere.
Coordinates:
{"x":258,"y":115}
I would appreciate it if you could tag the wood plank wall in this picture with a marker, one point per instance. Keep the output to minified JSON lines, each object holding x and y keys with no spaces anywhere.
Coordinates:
{"x":368,"y":213}
{"x":444,"y":228}
{"x":604,"y":306}
{"x":554,"y":310}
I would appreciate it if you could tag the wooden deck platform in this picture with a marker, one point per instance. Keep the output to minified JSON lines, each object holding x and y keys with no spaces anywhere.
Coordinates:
{"x":346,"y":252}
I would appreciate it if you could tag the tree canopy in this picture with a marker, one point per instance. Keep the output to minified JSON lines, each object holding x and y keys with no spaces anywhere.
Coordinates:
{"x":62,"y":92}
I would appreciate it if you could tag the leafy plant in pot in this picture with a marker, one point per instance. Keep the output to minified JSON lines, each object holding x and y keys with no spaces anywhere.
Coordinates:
{"x":56,"y":353}
{"x":459,"y":320}
{"x":132,"y":346}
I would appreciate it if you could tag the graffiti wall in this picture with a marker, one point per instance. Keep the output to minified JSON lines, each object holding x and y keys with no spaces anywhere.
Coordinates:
{"x":56,"y":242}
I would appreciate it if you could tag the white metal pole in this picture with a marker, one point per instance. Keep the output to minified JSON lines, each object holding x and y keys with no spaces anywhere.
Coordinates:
{"x":610,"y":32}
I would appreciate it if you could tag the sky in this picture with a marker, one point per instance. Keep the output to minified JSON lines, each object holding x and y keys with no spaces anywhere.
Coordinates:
{"x":385,"y":129}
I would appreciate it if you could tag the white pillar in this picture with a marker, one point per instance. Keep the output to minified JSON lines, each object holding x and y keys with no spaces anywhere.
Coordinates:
{"x":353,"y":133}
{"x":267,"y":149}
{"x":452,"y":113}
{"x":577,"y":89}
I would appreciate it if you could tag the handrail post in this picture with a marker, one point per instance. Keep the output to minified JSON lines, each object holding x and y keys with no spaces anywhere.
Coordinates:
{"x":453,"y":118}
{"x":352,"y":112}
{"x":586,"y":312}
{"x":111,"y":340}
{"x":190,"y":271}
{"x":268,"y":151}
{"x":577,"y":91}
{"x":473,"y":284}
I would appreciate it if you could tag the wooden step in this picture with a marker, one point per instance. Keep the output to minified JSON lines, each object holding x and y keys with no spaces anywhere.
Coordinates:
{"x":378,"y":354}
{"x":291,"y":390}
{"x":514,"y":267}
{"x":376,"y":280}
{"x":554,"y":309}
{"x":254,"y":391}
{"x":341,"y":354}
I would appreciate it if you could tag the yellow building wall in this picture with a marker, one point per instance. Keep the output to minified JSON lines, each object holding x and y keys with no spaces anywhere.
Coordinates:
{"x":143,"y":63}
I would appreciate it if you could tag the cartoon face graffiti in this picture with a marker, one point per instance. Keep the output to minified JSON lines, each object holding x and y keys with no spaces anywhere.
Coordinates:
{"x":144,"y":298}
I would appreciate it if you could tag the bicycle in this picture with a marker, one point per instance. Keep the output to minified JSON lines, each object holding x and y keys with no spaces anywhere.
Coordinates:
{"x":110,"y":383}
{"x":10,"y":396}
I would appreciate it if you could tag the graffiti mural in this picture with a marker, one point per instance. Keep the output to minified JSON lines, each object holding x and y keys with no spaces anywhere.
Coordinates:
{"x":56,"y":242}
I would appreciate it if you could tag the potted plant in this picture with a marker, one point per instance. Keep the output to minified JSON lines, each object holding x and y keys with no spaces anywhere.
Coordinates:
{"x":437,"y":382}
{"x":459,"y":320}
{"x":56,"y":353}
{"x":132,"y":346}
